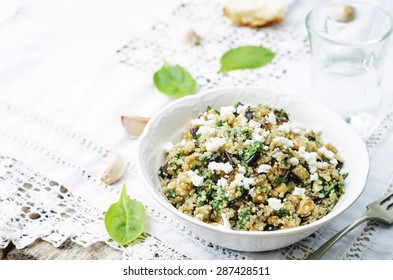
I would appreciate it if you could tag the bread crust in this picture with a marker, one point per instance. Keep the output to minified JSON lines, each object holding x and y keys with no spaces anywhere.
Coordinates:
{"x":255,"y":23}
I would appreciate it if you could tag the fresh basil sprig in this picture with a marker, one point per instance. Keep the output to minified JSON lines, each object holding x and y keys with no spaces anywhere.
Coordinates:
{"x":174,"y":81}
{"x":245,"y":57}
{"x":125,"y":219}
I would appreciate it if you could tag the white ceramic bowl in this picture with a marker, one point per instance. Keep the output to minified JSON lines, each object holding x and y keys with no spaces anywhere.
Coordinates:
{"x":170,"y":121}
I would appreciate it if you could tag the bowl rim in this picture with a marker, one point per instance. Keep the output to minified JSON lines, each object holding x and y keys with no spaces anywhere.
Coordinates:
{"x":316,"y":224}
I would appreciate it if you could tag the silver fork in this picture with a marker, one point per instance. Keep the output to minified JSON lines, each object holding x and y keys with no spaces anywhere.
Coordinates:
{"x":380,"y":210}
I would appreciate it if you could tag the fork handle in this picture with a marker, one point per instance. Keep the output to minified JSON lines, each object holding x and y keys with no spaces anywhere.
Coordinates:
{"x":322,"y":250}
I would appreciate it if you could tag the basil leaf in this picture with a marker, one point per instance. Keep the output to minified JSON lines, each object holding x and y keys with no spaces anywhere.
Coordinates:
{"x":174,"y":81}
{"x":125,"y":219}
{"x":245,"y":57}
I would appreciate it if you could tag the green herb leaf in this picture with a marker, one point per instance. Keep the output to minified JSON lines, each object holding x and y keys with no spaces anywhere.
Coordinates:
{"x":245,"y":57}
{"x":257,"y":146}
{"x":196,"y":137}
{"x":281,"y":212}
{"x":174,"y":81}
{"x":125,"y":219}
{"x":243,"y":217}
{"x":220,"y":123}
{"x":170,"y":194}
{"x":279,"y":180}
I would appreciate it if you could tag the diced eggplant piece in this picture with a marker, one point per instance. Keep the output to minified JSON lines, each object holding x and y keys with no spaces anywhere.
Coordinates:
{"x":163,"y":171}
{"x":248,"y":113}
{"x":216,"y":158}
{"x":281,"y":115}
{"x":316,"y":199}
{"x":287,"y":174}
{"x":193,"y":131}
{"x":252,"y":160}
{"x":301,"y":172}
{"x":227,"y":157}
{"x":214,"y":178}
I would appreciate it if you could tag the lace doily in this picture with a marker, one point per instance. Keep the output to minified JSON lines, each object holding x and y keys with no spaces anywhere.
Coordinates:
{"x":163,"y":42}
{"x":34,"y":206}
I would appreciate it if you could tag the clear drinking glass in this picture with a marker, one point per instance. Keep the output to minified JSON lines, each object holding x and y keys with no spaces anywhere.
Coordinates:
{"x":348,"y":45}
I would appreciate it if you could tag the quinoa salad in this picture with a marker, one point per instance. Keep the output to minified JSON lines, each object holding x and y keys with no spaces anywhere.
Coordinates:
{"x":248,"y":167}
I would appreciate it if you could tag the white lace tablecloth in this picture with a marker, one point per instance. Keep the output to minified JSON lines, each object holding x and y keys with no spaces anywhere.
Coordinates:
{"x":71,"y":68}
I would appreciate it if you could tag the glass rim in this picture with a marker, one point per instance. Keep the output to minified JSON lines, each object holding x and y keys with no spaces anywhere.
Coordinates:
{"x":363,"y":43}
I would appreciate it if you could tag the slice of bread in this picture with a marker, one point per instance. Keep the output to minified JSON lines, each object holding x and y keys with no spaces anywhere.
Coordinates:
{"x":255,"y":13}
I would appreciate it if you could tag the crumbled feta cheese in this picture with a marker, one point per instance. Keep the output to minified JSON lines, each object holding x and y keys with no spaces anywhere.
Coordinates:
{"x":195,"y":179}
{"x":314,"y":177}
{"x":208,"y":131}
{"x":290,"y":127}
{"x":242,"y":119}
{"x":247,"y":182}
{"x":225,"y":221}
{"x":182,"y":142}
{"x":240,"y":180}
{"x":222,"y":182}
{"x":294,"y":161}
{"x":215,"y":143}
{"x":322,"y":165}
{"x":257,"y":137}
{"x":328,"y":154}
{"x":168,"y":147}
{"x":254,"y":124}
{"x":211,"y":117}
{"x":257,"y":130}
{"x":265,"y":134}
{"x":242,"y":108}
{"x":226,"y":167}
{"x":241,"y":169}
{"x":299,"y":191}
{"x":283,"y":141}
{"x":252,"y":192}
{"x":343,"y":171}
{"x":272,"y":118}
{"x":311,"y":159}
{"x":334,"y":161}
{"x":274,"y":203}
{"x":248,"y":142}
{"x":200,"y":121}
{"x":210,"y":123}
{"x":264,"y":168}
{"x":227,"y":112}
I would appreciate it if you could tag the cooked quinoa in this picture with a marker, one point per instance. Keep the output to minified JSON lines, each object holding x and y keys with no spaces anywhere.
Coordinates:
{"x":247,"y":167}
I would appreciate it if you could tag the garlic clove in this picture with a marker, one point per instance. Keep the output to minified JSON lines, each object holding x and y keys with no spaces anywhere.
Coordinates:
{"x":115,"y":168}
{"x":134,"y":125}
{"x":343,"y":12}
{"x":189,"y":36}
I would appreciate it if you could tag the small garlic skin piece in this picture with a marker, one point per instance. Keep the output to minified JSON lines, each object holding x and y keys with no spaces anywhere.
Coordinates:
{"x":134,"y":125}
{"x":191,"y":37}
{"x":115,"y":168}
{"x":343,"y":13}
